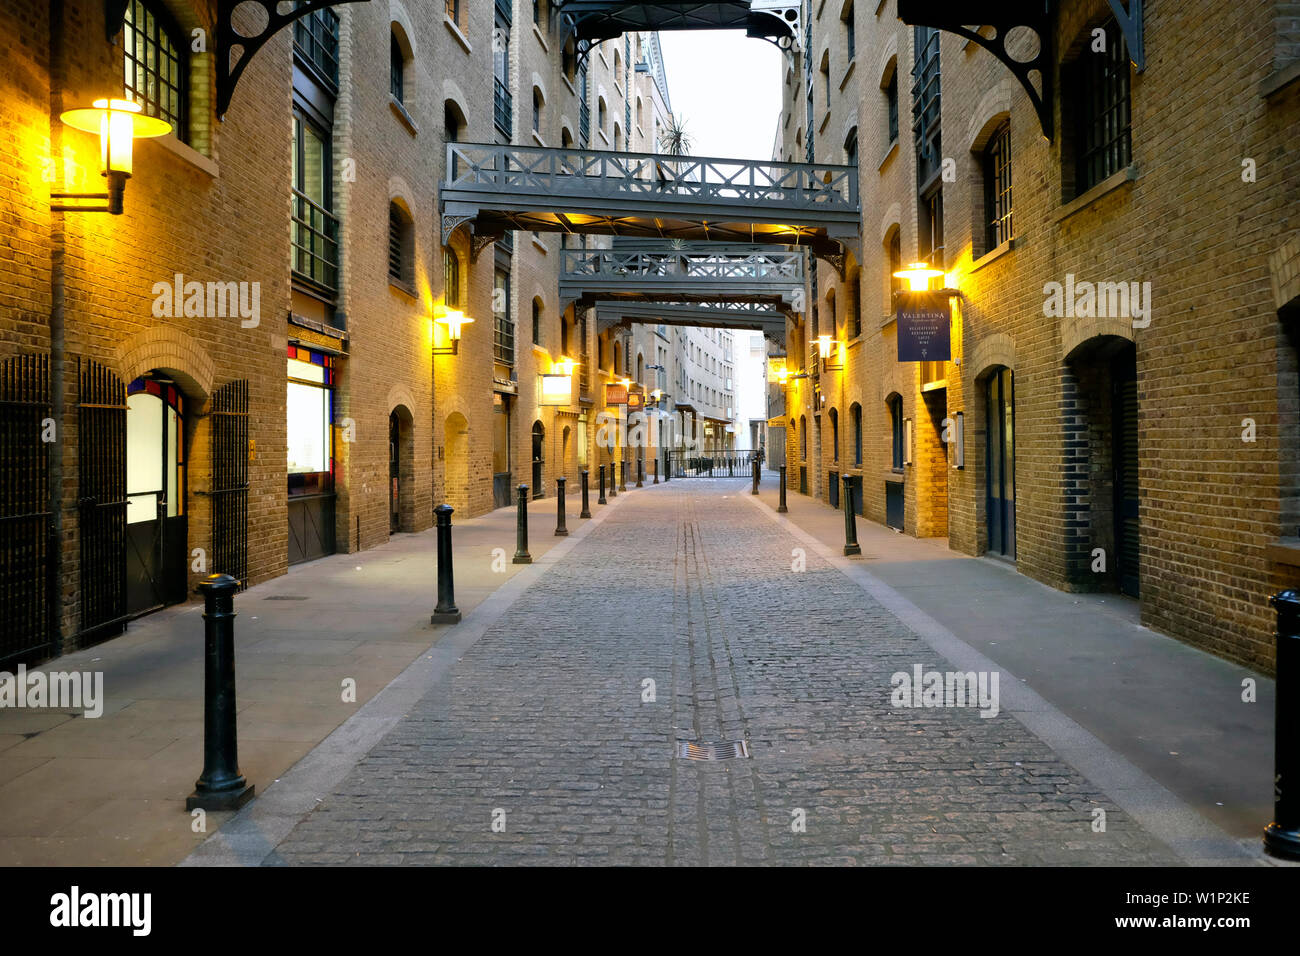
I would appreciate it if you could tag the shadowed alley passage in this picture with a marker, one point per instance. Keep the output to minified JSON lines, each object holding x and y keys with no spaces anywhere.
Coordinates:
{"x":542,"y":727}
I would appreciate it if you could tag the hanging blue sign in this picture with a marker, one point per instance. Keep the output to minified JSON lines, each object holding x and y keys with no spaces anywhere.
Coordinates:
{"x":923,"y":321}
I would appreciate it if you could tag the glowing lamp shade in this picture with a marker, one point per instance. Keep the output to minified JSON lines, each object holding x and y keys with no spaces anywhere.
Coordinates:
{"x":918,"y":275}
{"x":118,"y":123}
{"x":453,"y":320}
{"x":824,"y":346}
{"x":626,"y":383}
{"x":564,"y":366}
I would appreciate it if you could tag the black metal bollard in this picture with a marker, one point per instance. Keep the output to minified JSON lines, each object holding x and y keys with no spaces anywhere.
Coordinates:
{"x":755,"y":491}
{"x":521,"y":528}
{"x":561,"y":530}
{"x":601,"y":500}
{"x":586,"y":511}
{"x":446,"y":611}
{"x":613,"y":480}
{"x":220,"y":786}
{"x":622,"y":475}
{"x":1282,"y":836}
{"x":640,"y":472}
{"x":851,"y":545}
{"x":781,"y":508}
{"x":656,"y":481}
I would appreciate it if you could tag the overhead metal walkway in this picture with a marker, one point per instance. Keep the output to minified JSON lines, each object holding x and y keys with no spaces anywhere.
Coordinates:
{"x":496,"y":188}
{"x":693,"y":272}
{"x":597,"y":20}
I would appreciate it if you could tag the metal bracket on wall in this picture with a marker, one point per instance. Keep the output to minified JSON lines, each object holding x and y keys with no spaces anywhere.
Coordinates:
{"x":1130,"y":22}
{"x":1002,"y":17}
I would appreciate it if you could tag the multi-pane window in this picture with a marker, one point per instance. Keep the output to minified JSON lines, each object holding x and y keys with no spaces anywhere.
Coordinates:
{"x":503,"y":329}
{"x":895,"y":260}
{"x":537,"y":110}
{"x":155,"y":68}
{"x":396,"y":68}
{"x":896,"y":429}
{"x":855,"y":421}
{"x":931,"y":237}
{"x":502,"y":99}
{"x":851,"y":147}
{"x":315,"y":228}
{"x":852,"y":307}
{"x":997,"y":188}
{"x":450,"y":279}
{"x":851,"y":40}
{"x":925,"y":102}
{"x":835,"y":435}
{"x":401,"y":243}
{"x":891,"y":105}
{"x":310,"y":413}
{"x":316,"y":40}
{"x":1103,"y":140}
{"x":537,"y":328}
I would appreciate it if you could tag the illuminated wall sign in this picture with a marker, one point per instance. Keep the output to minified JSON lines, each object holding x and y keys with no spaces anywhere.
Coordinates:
{"x":556,"y":390}
{"x":924,"y":320}
{"x":615,"y":394}
{"x":636,"y":400}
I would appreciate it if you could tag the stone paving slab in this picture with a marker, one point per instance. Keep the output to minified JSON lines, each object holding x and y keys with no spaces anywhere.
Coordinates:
{"x":539,"y":746}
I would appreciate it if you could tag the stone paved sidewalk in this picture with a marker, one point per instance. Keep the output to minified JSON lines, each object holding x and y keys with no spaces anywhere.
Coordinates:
{"x":541,"y":726}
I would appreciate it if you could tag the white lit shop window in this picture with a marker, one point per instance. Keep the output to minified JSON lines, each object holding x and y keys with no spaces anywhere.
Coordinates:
{"x":310,"y":413}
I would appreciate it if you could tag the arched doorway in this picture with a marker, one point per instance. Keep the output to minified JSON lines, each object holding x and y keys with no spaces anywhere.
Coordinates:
{"x":401,"y":470}
{"x":539,"y":458}
{"x":1000,"y":462}
{"x":1101,"y":379}
{"x":156,"y":524}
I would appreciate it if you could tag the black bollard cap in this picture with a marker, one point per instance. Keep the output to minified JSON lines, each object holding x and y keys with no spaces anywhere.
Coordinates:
{"x":444,"y":509}
{"x":218,"y":582}
{"x":1288,"y":597}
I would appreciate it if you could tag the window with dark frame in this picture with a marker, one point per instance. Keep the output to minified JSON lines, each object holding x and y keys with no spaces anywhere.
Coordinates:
{"x":896,"y":427}
{"x":537,"y":323}
{"x":851,"y":41}
{"x":315,"y":228}
{"x":537,"y":110}
{"x":926,"y":110}
{"x":1103,"y":136}
{"x":895,"y":260}
{"x":835,"y":435}
{"x":155,"y":70}
{"x":853,"y":306}
{"x":503,"y":329}
{"x":891,"y":101}
{"x":855,"y":414}
{"x":399,"y":244}
{"x":997,"y":188}
{"x":316,"y":41}
{"x":396,"y":68}
{"x":450,"y":279}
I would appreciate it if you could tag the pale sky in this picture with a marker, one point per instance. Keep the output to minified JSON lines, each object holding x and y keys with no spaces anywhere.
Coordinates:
{"x":727,"y":88}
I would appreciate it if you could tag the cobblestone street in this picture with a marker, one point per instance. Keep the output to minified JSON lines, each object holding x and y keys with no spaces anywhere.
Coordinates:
{"x":546,"y":744}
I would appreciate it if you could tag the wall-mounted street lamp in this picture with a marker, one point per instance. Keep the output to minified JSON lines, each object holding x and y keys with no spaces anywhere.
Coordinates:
{"x":564,"y":366}
{"x":453,"y":320}
{"x":118,"y":123}
{"x":918,"y":276}
{"x":824,"y":347}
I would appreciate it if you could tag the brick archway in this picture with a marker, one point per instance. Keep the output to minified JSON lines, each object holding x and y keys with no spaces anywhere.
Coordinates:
{"x":164,"y":347}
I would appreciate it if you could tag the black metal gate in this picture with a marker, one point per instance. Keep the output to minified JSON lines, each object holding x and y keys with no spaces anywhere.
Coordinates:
{"x":710,"y":464}
{"x":101,"y":500}
{"x":1127,"y":509}
{"x":27,"y":631}
{"x":230,"y":481}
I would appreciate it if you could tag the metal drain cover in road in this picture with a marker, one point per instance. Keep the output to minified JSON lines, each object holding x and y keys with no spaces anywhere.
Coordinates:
{"x":286,"y":597}
{"x":725,"y":751}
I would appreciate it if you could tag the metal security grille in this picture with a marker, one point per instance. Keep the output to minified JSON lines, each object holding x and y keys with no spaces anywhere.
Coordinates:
{"x":720,"y":464}
{"x":710,"y":751}
{"x":101,"y":460}
{"x":154,"y":69}
{"x":230,"y":481}
{"x":395,"y":257}
{"x":27,"y":631}
{"x":1104,"y":141}
{"x":316,"y":40}
{"x":997,"y":188}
